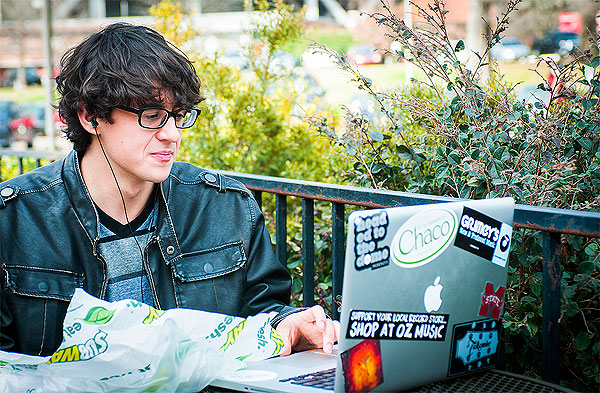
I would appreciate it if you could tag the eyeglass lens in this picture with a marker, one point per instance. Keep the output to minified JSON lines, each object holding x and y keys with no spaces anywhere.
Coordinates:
{"x":156,"y":118}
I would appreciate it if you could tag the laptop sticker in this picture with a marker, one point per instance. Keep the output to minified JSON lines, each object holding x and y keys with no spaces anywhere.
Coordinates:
{"x":474,"y":346}
{"x":423,"y":237}
{"x":432,"y":299}
{"x":362,"y":367}
{"x":491,"y":301}
{"x":369,"y":231}
{"x":484,"y":236}
{"x":385,"y":325}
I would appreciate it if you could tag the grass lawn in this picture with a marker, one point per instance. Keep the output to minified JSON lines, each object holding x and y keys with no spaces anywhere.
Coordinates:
{"x":23,"y":96}
{"x":339,"y":90}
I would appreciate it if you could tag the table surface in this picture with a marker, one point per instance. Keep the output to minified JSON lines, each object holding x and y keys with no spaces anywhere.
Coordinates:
{"x":483,"y":382}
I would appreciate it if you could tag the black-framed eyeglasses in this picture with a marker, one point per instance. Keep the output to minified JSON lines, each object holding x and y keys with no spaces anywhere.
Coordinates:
{"x":154,"y":118}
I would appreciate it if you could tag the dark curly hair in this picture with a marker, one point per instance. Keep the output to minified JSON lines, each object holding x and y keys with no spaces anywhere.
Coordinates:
{"x":123,"y":64}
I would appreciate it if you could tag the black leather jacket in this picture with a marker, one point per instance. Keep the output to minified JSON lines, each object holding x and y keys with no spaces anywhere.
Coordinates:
{"x":211,"y":251}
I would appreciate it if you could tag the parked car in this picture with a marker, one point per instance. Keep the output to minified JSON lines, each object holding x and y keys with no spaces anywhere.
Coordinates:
{"x":509,"y":49}
{"x":234,"y":57}
{"x":365,"y":106}
{"x":283,"y":60}
{"x":364,"y":54}
{"x":28,"y":122}
{"x":556,"y":41}
{"x":8,"y":110}
{"x":32,"y":77}
{"x":315,"y":59}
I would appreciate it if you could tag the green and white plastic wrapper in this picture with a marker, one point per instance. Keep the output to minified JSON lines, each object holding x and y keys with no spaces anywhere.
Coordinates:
{"x":128,"y":346}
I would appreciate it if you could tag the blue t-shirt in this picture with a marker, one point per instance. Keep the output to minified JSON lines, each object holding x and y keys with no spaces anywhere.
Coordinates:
{"x":127,"y":278}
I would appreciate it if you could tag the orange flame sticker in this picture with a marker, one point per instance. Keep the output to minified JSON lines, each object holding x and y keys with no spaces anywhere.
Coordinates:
{"x":362,"y":366}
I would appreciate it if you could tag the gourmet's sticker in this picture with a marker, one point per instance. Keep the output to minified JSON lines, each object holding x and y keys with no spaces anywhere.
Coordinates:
{"x":423,"y":237}
{"x":386,"y":325}
{"x":484,"y":236}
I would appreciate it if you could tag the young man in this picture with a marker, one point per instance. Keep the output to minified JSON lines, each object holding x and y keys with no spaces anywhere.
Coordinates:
{"x":119,"y":218}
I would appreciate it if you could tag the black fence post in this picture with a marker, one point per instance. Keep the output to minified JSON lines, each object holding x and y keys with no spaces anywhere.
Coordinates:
{"x":281,"y":229}
{"x":337,"y":252}
{"x":308,"y":252}
{"x":258,"y":198}
{"x":551,"y":295}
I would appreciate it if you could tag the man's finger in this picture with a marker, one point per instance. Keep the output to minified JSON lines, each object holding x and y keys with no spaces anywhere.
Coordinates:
{"x":337,"y":328}
{"x":328,"y":336}
{"x":319,"y":316}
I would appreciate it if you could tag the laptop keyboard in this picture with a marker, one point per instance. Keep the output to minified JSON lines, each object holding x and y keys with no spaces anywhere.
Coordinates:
{"x":324,"y":379}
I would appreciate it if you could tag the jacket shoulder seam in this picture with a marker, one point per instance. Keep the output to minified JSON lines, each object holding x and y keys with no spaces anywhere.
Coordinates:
{"x":44,"y":188}
{"x":228,"y":187}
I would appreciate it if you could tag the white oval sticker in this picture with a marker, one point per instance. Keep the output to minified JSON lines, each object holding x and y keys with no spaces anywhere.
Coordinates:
{"x":423,"y":237}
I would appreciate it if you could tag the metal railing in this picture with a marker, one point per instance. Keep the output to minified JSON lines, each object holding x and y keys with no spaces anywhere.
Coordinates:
{"x":550,"y":221}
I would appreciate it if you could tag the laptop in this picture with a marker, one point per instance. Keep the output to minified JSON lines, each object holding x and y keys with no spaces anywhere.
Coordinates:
{"x":422,"y":297}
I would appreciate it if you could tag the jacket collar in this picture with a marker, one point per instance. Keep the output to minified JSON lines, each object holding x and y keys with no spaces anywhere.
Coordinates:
{"x":80,"y":198}
{"x":86,"y":213}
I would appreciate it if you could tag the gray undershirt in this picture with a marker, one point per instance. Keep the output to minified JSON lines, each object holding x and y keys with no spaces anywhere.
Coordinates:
{"x":127,"y":278}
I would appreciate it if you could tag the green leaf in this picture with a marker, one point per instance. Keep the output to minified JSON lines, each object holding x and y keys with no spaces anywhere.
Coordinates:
{"x":586,"y":268}
{"x":571,"y":308}
{"x":532,"y":327}
{"x":441,"y":171}
{"x":592,"y":249}
{"x":582,"y":341}
{"x":241,"y":358}
{"x":98,"y":316}
{"x":294,"y":264}
{"x":460,"y":45}
{"x":586,"y":143}
{"x":403,"y":152}
{"x":493,"y":171}
{"x":453,"y":158}
{"x":474,"y":182}
{"x":376,"y":136}
{"x":595,"y":62}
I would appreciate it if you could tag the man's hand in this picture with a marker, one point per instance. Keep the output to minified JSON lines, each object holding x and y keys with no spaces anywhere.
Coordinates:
{"x":308,"y":329}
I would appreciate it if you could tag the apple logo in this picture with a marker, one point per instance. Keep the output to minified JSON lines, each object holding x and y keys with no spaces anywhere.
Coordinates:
{"x":432,"y":298}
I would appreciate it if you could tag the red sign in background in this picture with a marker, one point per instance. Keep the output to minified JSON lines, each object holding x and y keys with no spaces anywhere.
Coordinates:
{"x":570,"y":22}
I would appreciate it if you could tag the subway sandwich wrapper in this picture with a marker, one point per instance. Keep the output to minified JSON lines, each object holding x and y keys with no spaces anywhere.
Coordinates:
{"x":128,"y":346}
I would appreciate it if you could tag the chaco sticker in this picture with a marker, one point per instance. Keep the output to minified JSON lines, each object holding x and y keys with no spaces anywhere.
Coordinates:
{"x":385,"y":325}
{"x":474,"y":346}
{"x":423,"y":237}
{"x":362,"y":366}
{"x":368,"y":232}
{"x":484,"y":236}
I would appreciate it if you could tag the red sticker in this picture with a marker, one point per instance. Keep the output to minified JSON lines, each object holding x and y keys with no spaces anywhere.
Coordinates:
{"x":491,"y":301}
{"x":362,"y":366}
